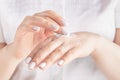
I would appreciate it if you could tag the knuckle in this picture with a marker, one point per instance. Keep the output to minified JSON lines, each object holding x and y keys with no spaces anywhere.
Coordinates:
{"x":48,"y":47}
{"x":59,"y":51}
{"x":49,"y":60}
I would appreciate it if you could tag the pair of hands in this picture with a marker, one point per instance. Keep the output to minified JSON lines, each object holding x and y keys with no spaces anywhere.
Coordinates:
{"x":35,"y":40}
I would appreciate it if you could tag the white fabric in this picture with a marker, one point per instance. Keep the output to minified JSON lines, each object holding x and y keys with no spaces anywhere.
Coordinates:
{"x":117,"y":16}
{"x":82,"y":15}
{"x":1,"y":35}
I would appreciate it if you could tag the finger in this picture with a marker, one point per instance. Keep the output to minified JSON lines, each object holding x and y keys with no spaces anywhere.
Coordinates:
{"x":49,"y":33}
{"x":69,"y":56}
{"x":58,"y":30}
{"x":36,"y":49}
{"x":46,"y":50}
{"x":53,"y":15}
{"x":39,"y":21}
{"x":61,"y":29}
{"x":53,"y":22}
{"x":54,"y":56}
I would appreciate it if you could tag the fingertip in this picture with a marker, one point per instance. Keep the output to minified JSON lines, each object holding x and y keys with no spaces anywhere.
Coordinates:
{"x":28,"y":59}
{"x":60,"y":62}
{"x":43,"y":65}
{"x":32,"y":65}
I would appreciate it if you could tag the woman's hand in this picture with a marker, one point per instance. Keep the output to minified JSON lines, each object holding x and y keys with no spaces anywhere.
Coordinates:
{"x":63,"y":49}
{"x":33,"y":30}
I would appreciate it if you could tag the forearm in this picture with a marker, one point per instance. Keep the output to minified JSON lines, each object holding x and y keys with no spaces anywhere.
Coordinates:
{"x":7,"y":64}
{"x":107,"y":57}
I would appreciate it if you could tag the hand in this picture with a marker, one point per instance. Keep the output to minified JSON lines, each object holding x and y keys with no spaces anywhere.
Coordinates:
{"x":32,"y":31}
{"x":63,"y":49}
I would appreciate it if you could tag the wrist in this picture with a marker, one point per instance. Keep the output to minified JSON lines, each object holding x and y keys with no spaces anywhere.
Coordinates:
{"x":100,"y":46}
{"x":8,"y":63}
{"x":9,"y":52}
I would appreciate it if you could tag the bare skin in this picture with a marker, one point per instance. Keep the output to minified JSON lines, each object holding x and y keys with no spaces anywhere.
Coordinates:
{"x":82,"y":44}
{"x":26,"y":39}
{"x":64,"y":49}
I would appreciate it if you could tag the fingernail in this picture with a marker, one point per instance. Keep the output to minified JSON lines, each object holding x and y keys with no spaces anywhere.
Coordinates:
{"x":57,"y":35}
{"x":60,"y":62}
{"x":55,"y":27}
{"x":32,"y":65}
{"x":28,"y":59}
{"x":42,"y":65}
{"x":36,"y":28}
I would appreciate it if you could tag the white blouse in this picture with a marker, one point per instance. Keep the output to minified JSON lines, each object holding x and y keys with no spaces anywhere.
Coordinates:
{"x":117,"y":14}
{"x":82,"y":15}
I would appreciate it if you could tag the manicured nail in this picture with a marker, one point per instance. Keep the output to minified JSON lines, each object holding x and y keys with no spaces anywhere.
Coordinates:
{"x":28,"y":59}
{"x":57,"y":35}
{"x":64,"y":32}
{"x":36,"y":28}
{"x":60,"y":62}
{"x":55,"y":27}
{"x":32,"y":65}
{"x":42,"y":65}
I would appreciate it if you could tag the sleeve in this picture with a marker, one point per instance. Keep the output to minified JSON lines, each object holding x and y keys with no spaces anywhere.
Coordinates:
{"x":117,"y":15}
{"x":1,"y":35}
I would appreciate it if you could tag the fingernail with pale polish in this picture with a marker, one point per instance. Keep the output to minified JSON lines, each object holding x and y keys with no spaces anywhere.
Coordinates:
{"x":42,"y":65}
{"x":32,"y":65}
{"x":60,"y":62}
{"x":55,"y":27}
{"x":28,"y":59}
{"x":36,"y":28}
{"x":57,"y":35}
